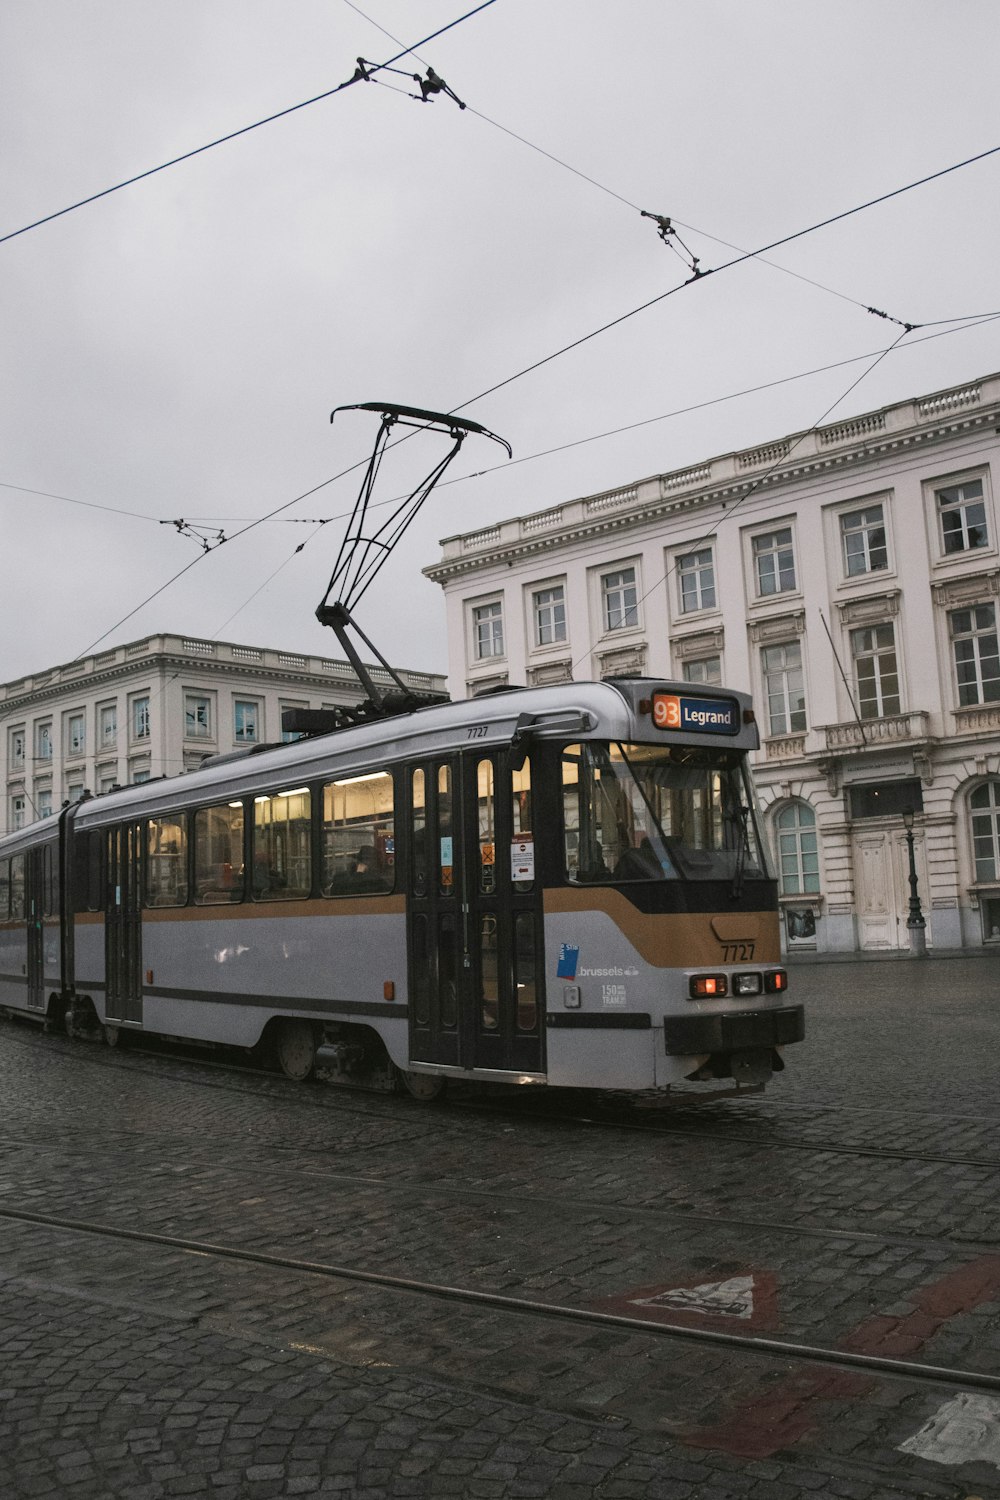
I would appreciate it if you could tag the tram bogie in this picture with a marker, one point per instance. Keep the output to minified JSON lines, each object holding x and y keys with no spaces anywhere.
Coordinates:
{"x":563,"y":886}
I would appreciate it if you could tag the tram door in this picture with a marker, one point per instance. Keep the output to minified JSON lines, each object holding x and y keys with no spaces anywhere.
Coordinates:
{"x":475,"y":941}
{"x":123,"y":923}
{"x":34,"y":904}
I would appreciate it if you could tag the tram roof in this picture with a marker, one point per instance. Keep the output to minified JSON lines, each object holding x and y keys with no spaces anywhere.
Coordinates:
{"x":565,"y":711}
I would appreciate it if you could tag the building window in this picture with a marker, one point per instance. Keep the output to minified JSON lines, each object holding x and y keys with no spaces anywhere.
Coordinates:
{"x":774,"y":562}
{"x":17,"y":806}
{"x":977,"y":660}
{"x":108,"y":725}
{"x":706,"y":669}
{"x":985,"y":806}
{"x":246,"y":722}
{"x":798,"y":851}
{"x":620,"y":599}
{"x":15,"y":750}
{"x":139,"y":775}
{"x":74,"y":792}
{"x":784,"y":688}
{"x":75,"y":734}
{"x":197,"y":717}
{"x":107,"y":783}
{"x":487,"y":623}
{"x":43,"y":802}
{"x":862,"y":534}
{"x":549,"y":610}
{"x":876,"y":675}
{"x":140,"y":718}
{"x":962,"y":508}
{"x":43,"y":742}
{"x":696,"y":581}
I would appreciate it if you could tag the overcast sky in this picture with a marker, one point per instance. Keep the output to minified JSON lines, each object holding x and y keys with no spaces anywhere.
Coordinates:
{"x":174,"y":350}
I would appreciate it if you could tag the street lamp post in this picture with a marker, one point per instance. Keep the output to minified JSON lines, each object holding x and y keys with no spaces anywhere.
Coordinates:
{"x":915,"y":924}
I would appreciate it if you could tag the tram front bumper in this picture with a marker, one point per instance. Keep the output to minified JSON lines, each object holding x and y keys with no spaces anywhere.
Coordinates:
{"x":733,"y":1031}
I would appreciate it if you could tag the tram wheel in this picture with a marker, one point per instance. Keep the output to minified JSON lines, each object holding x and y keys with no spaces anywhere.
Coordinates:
{"x":424,"y":1087}
{"x":295,"y":1049}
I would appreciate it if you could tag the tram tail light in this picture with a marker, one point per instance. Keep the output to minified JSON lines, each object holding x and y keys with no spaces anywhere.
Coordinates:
{"x":776,"y":981}
{"x":747,"y":984}
{"x":706,"y":986}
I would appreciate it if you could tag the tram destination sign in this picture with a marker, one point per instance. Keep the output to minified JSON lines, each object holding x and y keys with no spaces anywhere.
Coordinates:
{"x":696,"y":715}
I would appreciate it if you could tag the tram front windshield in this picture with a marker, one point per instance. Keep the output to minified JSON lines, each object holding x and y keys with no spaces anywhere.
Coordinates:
{"x":659,"y":812}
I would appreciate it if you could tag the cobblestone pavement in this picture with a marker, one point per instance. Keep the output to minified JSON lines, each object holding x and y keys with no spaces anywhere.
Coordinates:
{"x":820,"y":1213}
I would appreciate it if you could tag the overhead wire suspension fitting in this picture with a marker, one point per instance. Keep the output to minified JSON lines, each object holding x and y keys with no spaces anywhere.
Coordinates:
{"x":668,"y":234}
{"x":429,"y":86}
{"x":206,"y":538}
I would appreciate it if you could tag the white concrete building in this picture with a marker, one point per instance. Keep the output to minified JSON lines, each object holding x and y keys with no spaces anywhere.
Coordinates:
{"x":156,"y":707}
{"x":848,"y":578}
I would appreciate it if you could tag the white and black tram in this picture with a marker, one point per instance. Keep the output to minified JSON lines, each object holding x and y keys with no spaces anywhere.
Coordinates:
{"x":563,"y":885}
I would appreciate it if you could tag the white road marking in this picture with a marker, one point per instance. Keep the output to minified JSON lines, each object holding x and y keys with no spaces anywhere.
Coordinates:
{"x":964,"y":1430}
{"x":725,"y":1299}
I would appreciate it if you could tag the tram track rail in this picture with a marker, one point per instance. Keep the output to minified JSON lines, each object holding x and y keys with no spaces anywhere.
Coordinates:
{"x":561,"y":1202}
{"x":901,"y":1369}
{"x":608,"y":1120}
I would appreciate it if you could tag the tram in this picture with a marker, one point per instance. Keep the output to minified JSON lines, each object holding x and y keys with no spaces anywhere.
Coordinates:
{"x":564,"y":885}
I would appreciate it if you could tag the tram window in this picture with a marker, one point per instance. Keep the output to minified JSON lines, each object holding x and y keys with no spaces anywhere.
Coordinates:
{"x":4,"y":889}
{"x":50,"y":880}
{"x":644,"y":812}
{"x":489,"y":971}
{"x":446,"y":837}
{"x":93,"y":889}
{"x":421,"y":973}
{"x":359,"y":843}
{"x":448,"y":972}
{"x":524,"y":971}
{"x":85,"y":871}
{"x":487,"y":828}
{"x":282,"y":845}
{"x":521,"y":822}
{"x":418,"y":833}
{"x":218,"y":854}
{"x":17,"y":886}
{"x":166,"y":861}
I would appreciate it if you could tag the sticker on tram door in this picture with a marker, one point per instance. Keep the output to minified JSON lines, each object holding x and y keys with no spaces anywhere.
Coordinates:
{"x":568,"y":956}
{"x":522,"y":859}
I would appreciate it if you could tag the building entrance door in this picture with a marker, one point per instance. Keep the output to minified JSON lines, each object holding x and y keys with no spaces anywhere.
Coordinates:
{"x":882,"y":886}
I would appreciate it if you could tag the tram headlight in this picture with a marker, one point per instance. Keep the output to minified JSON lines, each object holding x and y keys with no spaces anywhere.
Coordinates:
{"x":707,"y":986}
{"x":748,"y":984}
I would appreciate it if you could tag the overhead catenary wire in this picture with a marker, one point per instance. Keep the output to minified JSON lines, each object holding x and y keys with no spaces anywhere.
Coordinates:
{"x":359,"y":76}
{"x":666,"y":234}
{"x":731,"y":509}
{"x":343,"y":473}
{"x":575,"y":344}
{"x":318,"y":522}
{"x":874,"y":355}
{"x":975,"y":320}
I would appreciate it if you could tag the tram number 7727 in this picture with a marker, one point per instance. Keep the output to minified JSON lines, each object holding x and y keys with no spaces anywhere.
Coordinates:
{"x":737,"y":953}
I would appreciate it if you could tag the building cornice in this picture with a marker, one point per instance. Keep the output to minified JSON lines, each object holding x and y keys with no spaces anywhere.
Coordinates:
{"x":155,"y":656}
{"x":719,"y":482}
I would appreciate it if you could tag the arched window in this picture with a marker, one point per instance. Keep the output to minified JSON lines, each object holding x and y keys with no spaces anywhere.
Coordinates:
{"x":798,"y":850}
{"x":985,"y":808}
